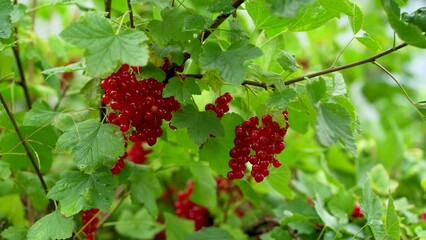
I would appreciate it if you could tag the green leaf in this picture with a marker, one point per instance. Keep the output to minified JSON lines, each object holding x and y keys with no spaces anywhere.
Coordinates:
{"x":210,"y":233}
{"x":6,"y":9}
{"x":282,"y":99}
{"x":41,"y":141}
{"x":287,"y":62}
{"x":287,"y":8}
{"x":32,"y":187}
{"x":262,"y":18}
{"x":335,"y":86}
{"x":42,"y":115}
{"x":317,"y":89}
{"x":151,"y":71}
{"x":341,"y":203}
{"x":205,"y":186}
{"x":357,"y":20}
{"x":4,"y":171}
{"x":417,"y":18}
{"x":18,"y":12}
{"x":178,"y":228}
{"x":280,"y":179}
{"x":77,"y":191}
{"x":221,"y":6}
{"x":14,"y":233}
{"x":216,"y":150}
{"x":181,"y":90}
{"x":170,"y":28}
{"x":68,"y":68}
{"x":51,"y":226}
{"x":105,"y":48}
{"x":230,"y":63}
{"x":335,"y":123}
{"x":409,"y":33}
{"x":248,"y":192}
{"x":338,"y":6}
{"x":12,"y":209}
{"x":196,"y":23}
{"x":369,"y":42}
{"x":380,"y":180}
{"x":328,"y":219}
{"x":372,"y":209}
{"x":392,"y":221}
{"x":200,"y":124}
{"x":129,"y":224}
{"x":91,"y":142}
{"x":145,"y":188}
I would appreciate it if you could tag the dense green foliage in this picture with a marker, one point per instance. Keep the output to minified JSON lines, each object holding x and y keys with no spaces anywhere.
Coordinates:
{"x":350,"y":74}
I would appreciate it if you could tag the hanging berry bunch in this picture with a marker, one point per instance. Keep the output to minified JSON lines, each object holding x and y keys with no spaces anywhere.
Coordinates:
{"x":187,"y":209}
{"x":264,"y":141}
{"x":138,"y":107}
{"x":90,"y":230}
{"x":221,"y":105}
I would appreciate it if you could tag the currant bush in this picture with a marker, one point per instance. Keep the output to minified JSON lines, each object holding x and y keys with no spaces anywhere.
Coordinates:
{"x":264,"y":141}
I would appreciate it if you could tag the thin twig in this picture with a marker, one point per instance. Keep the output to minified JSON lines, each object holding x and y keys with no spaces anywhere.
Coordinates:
{"x":23,"y":82}
{"x":108,"y":8}
{"x":102,"y":108}
{"x":346,"y":66}
{"x":129,"y":7}
{"x":27,"y":149}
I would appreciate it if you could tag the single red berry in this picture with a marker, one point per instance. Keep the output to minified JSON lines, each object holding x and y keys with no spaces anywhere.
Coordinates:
{"x":357,"y":213}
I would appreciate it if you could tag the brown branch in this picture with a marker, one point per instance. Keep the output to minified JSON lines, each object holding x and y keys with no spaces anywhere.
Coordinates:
{"x":108,"y":8}
{"x":129,"y":7}
{"x":218,"y":21}
{"x":346,"y":66}
{"x":27,"y":149}
{"x":102,"y":108}
{"x":23,"y":82}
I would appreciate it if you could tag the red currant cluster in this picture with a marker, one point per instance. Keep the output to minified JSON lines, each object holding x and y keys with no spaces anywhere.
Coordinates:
{"x":138,"y":105}
{"x":90,"y":229}
{"x":190,"y":210}
{"x":138,"y":154}
{"x":221,"y":105}
{"x":265,"y":141}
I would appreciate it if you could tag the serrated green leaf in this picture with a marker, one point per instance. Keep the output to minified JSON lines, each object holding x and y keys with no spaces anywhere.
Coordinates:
{"x":369,"y":42}
{"x":4,"y":170}
{"x":287,"y":8}
{"x":210,"y":233}
{"x":409,"y":33}
{"x":196,"y":23}
{"x":335,"y":123}
{"x":6,"y":9}
{"x":221,"y":6}
{"x":372,"y":209}
{"x":230,"y":63}
{"x":51,"y":226}
{"x":14,"y":233}
{"x":129,"y":224}
{"x":328,"y":219}
{"x":205,"y":189}
{"x":171,"y":26}
{"x":280,"y":178}
{"x":216,"y":150}
{"x":287,"y":62}
{"x":145,"y":188}
{"x":338,"y":6}
{"x":336,"y":86}
{"x":342,"y":203}
{"x":91,"y":142}
{"x":380,"y":180}
{"x":18,"y":12}
{"x":151,"y":71}
{"x":77,"y":191}
{"x":178,"y":228}
{"x":317,"y":90}
{"x":392,"y":221}
{"x":105,"y":48}
{"x":262,"y":18}
{"x":181,"y":90}
{"x":213,"y":80}
{"x":200,"y":124}
{"x":41,"y":141}
{"x":42,"y":115}
{"x":282,"y":99}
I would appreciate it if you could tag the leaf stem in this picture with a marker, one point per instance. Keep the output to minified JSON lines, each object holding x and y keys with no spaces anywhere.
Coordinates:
{"x":23,"y":82}
{"x":129,"y":7}
{"x":27,"y":149}
{"x":341,"y":52}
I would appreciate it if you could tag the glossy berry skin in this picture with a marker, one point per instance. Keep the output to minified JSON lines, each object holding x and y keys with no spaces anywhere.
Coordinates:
{"x":138,"y":106}
{"x":185,"y":208}
{"x":424,"y":216}
{"x":90,"y":230}
{"x":221,"y":105}
{"x":357,"y":213}
{"x":138,"y":154}
{"x":257,"y":145}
